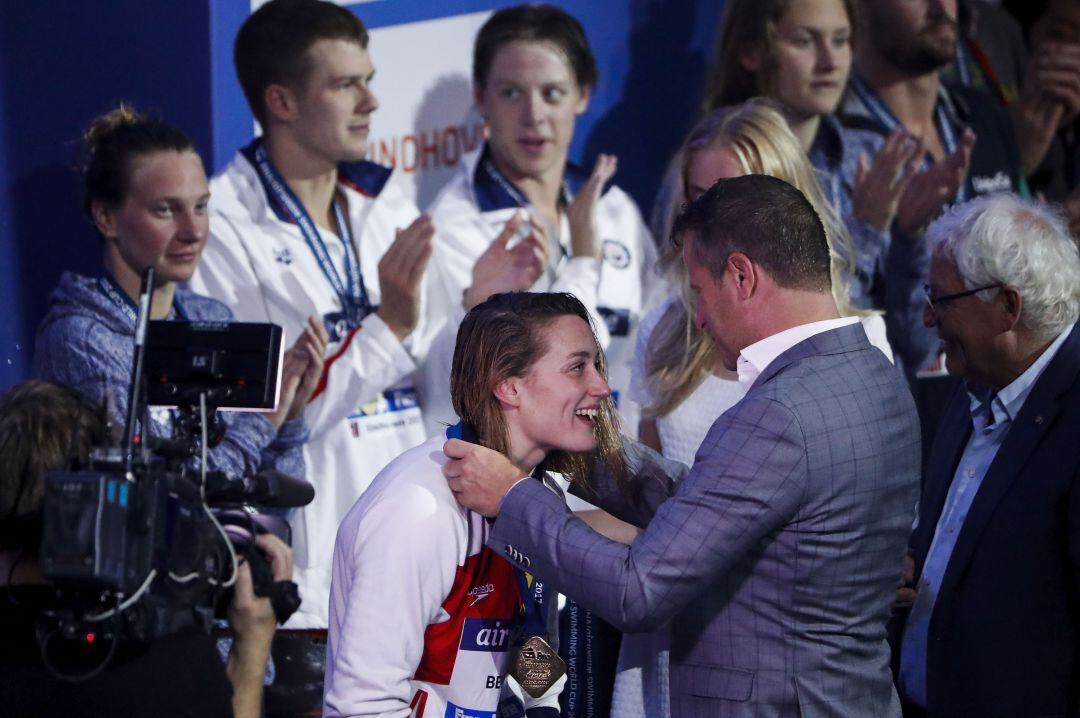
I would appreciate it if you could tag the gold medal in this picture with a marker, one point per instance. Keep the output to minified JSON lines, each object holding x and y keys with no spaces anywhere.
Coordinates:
{"x":537,"y":666}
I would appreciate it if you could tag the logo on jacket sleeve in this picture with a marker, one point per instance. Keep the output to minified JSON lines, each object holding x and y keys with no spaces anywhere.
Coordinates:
{"x":616,"y":254}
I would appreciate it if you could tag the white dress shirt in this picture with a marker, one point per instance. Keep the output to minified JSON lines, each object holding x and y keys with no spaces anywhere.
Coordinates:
{"x":755,"y":358}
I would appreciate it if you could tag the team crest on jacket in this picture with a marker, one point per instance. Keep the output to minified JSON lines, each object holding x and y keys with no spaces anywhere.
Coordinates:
{"x":616,"y":253}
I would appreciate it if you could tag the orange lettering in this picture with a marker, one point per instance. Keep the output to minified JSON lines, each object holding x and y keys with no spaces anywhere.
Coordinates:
{"x":429,"y":146}
{"x":406,"y":165}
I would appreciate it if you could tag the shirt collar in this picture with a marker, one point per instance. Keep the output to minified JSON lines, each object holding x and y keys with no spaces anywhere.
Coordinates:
{"x":366,"y":178}
{"x":1006,"y":404}
{"x":863,"y":102}
{"x":495,"y":191}
{"x":754,"y":359}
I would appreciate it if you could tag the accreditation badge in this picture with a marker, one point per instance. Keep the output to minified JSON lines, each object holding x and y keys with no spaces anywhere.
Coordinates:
{"x":537,"y":666}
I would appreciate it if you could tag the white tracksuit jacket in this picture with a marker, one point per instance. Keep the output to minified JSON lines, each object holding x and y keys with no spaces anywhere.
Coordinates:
{"x":422,"y":614}
{"x":366,"y":413}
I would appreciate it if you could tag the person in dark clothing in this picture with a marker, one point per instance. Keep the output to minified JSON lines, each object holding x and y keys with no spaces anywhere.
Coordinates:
{"x":43,"y":427}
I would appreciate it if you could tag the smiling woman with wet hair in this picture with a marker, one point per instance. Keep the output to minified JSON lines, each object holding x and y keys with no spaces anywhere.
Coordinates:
{"x":501,"y":343}
{"x":529,"y":380}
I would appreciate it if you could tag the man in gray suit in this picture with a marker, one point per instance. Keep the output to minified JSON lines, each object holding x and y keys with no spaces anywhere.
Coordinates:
{"x":777,"y":556}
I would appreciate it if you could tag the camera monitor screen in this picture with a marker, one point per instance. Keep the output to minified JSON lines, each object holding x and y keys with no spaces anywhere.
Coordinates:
{"x":237,"y":364}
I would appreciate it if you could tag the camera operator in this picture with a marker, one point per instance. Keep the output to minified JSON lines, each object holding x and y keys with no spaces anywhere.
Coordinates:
{"x":44,"y":427}
{"x":146,"y":192}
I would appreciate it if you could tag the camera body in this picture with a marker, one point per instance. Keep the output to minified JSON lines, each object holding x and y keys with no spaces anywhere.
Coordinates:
{"x":146,"y":542}
{"x":105,"y":536}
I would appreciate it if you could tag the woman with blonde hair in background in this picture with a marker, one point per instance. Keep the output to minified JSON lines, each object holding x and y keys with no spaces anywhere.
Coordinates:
{"x":799,"y":54}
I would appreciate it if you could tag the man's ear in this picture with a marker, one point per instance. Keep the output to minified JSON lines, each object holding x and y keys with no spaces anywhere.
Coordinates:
{"x":281,"y":103}
{"x":583,"y":103}
{"x":507,"y":391}
{"x":743,"y":274}
{"x":478,"y":100}
{"x":104,"y":218}
{"x":1012,"y":306}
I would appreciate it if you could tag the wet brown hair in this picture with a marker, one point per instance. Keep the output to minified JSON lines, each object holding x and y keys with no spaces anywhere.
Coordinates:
{"x":501,"y":338}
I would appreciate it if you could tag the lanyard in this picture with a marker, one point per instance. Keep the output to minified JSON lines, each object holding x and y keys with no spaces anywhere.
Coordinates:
{"x":507,"y":185}
{"x":117,"y":296}
{"x":514,"y":192}
{"x":534,"y":594}
{"x":881,"y":114}
{"x":351,"y":293}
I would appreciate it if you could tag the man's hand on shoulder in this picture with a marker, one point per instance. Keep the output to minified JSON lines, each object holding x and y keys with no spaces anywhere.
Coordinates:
{"x":478,"y":476}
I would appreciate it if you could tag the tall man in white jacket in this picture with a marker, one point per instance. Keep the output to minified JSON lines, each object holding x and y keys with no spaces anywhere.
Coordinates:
{"x":304,"y":230}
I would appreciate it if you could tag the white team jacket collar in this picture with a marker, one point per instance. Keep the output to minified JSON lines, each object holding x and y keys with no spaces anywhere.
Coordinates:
{"x":367,"y":178}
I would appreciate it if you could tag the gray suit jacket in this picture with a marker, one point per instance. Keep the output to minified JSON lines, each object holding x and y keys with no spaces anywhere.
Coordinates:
{"x":776,"y":557}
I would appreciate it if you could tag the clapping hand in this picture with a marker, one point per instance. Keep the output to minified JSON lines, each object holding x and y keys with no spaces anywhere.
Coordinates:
{"x":1049,"y":100}
{"x":581,"y":214}
{"x":502,"y":268}
{"x":928,"y":191}
{"x":400,"y":272}
{"x":301,"y":371}
{"x":879,"y":186}
{"x":312,"y":346}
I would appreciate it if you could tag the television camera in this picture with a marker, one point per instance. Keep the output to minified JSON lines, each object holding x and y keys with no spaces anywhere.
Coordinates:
{"x":146,"y":541}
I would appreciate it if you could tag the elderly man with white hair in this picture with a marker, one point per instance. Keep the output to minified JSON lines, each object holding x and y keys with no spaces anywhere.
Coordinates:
{"x":995,"y":625}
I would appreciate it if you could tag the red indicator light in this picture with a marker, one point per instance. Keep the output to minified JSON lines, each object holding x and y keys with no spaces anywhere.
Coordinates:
{"x":90,"y":637}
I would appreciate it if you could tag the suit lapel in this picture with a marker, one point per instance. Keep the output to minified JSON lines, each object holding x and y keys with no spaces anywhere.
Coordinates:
{"x":1028,"y":429}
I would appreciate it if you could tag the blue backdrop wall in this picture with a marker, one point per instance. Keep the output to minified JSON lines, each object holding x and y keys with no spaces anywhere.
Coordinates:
{"x":63,"y":63}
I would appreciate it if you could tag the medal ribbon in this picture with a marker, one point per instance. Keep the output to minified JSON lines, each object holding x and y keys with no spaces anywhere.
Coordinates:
{"x":534,"y":594}
{"x":534,"y":602}
{"x":352,"y":294}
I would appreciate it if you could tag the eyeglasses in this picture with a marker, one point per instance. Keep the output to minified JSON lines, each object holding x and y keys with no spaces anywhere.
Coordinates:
{"x":936,"y":302}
